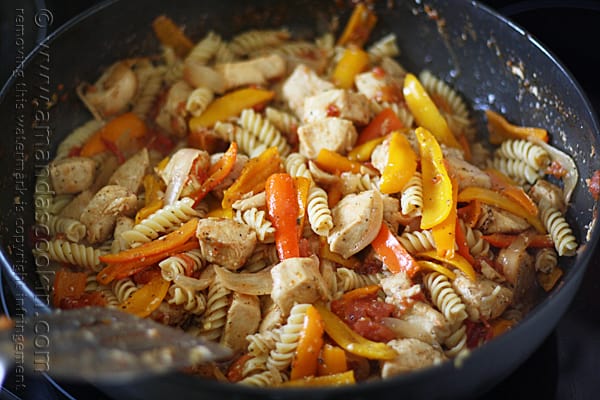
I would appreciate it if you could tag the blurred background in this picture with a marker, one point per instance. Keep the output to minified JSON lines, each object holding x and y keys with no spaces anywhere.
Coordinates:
{"x":566,"y":365}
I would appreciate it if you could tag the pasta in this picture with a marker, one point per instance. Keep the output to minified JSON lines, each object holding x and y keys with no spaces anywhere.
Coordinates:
{"x":248,"y":255}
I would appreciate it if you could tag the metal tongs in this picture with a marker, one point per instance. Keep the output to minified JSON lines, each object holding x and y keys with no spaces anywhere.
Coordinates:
{"x":98,"y":344}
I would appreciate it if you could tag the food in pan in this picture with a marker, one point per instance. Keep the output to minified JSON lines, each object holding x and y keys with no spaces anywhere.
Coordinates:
{"x":326,"y":214}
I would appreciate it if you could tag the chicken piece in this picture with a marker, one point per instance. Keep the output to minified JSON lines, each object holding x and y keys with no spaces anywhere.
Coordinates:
{"x":256,"y":71}
{"x":380,"y":155}
{"x":243,"y":317}
{"x":258,"y":200}
{"x":297,"y":280}
{"x":72,"y":175}
{"x":107,"y":166}
{"x":302,"y":83}
{"x":391,"y":212}
{"x":272,"y":316}
{"x":131,"y":173}
{"x":413,"y":354}
{"x":496,"y":220}
{"x":169,"y":314}
{"x":380,"y":86}
{"x":334,"y":134}
{"x":400,"y":290}
{"x":225,"y":242}
{"x":340,"y":103}
{"x":197,"y":75}
{"x":100,"y":215}
{"x":357,"y":219}
{"x":392,"y":67}
{"x":122,"y":224}
{"x":543,"y":191}
{"x":171,"y":116}
{"x":467,"y":174}
{"x":483,"y":298}
{"x":423,"y":322}
{"x":114,"y":90}
{"x":76,"y":206}
{"x":518,"y":267}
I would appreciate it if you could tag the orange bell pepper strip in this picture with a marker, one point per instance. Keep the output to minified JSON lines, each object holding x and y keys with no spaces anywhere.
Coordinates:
{"x":502,"y":240}
{"x":401,"y":165}
{"x":306,"y":357}
{"x":501,"y":183}
{"x":325,"y":252}
{"x":170,"y":241}
{"x":496,"y":199}
{"x":341,"y":379}
{"x":437,"y":187}
{"x":362,"y":153}
{"x":427,"y":265}
{"x":353,"y":62}
{"x":148,"y":210}
{"x":458,"y":262}
{"x":253,"y":176}
{"x":351,"y":341}
{"x":332,"y":361}
{"x":132,"y":267}
{"x":392,"y":253}
{"x":302,"y":185}
{"x":335,"y":163}
{"x":425,"y":111}
{"x":470,"y":213}
{"x":463,"y":245}
{"x":282,"y":208}
{"x":126,"y":125}
{"x":385,"y":122}
{"x":500,"y":129}
{"x":444,"y":233}
{"x":359,"y":26}
{"x":217,"y":173}
{"x":359,"y":293}
{"x":147,"y":298}
{"x":230,"y":105}
{"x":171,"y":35}
{"x":67,"y":284}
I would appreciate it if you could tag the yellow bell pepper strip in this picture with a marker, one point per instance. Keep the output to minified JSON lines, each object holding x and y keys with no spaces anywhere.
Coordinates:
{"x":302,"y":185}
{"x":152,"y":187}
{"x":217,"y":173}
{"x":221,"y":213}
{"x":444,"y":233}
{"x":230,"y":105}
{"x":306,"y":357}
{"x":401,"y":165}
{"x":359,"y":26}
{"x":354,"y":60}
{"x":171,"y":240}
{"x":503,"y":184}
{"x":332,"y":361}
{"x":535,"y":240}
{"x":148,"y":210}
{"x":500,"y":129}
{"x":147,"y":298}
{"x":427,"y":265}
{"x":501,"y":325}
{"x":437,"y":187}
{"x":126,"y":125}
{"x":496,"y":199}
{"x":67,"y":284}
{"x":425,"y":111}
{"x":392,"y":253}
{"x":282,"y":208}
{"x":458,"y":262}
{"x":253,"y":176}
{"x":325,"y":253}
{"x":351,"y":341}
{"x":341,"y":379}
{"x":385,"y":122}
{"x":548,"y":280}
{"x":171,"y":35}
{"x":335,"y":163}
{"x":463,"y":245}
{"x":362,"y":153}
{"x":128,"y":268}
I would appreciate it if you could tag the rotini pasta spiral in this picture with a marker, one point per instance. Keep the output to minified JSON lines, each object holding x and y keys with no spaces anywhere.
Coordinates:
{"x":264,"y":130}
{"x":535,"y":156}
{"x":198,"y":100}
{"x":256,"y":219}
{"x":384,"y":47}
{"x":192,"y":301}
{"x":75,"y":254}
{"x":319,"y":213}
{"x":546,"y":259}
{"x":517,"y":169}
{"x":281,"y":356}
{"x":176,"y":265}
{"x":72,"y":228}
{"x":456,"y":342}
{"x":215,"y":316}
{"x":123,"y":289}
{"x":417,"y":241}
{"x":251,"y":41}
{"x":565,"y":242}
{"x":246,"y":141}
{"x":348,"y":279}
{"x":445,"y":298}
{"x":296,"y":165}
{"x":477,"y":245}
{"x":411,"y":198}
{"x":205,"y":49}
{"x":149,"y":92}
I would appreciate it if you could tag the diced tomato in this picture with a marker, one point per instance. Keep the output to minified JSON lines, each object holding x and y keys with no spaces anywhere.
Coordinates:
{"x":364,"y":316}
{"x":86,"y":299}
{"x":594,"y":185}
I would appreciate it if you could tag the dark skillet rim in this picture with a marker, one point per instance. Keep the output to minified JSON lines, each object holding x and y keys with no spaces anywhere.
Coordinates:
{"x":529,"y":322}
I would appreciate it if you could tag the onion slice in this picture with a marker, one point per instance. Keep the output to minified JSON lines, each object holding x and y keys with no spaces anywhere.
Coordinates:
{"x":191,"y":283}
{"x":176,"y":172}
{"x":256,"y":283}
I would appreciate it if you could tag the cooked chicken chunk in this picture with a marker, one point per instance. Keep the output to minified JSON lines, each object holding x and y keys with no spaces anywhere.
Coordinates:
{"x":496,"y":220}
{"x":484,"y":299}
{"x":334,"y":134}
{"x":400,"y":290}
{"x":297,"y":280}
{"x":423,"y":322}
{"x":72,"y":175}
{"x":171,"y":116}
{"x":197,"y":75}
{"x":169,"y":314}
{"x":122,"y":224}
{"x":77,"y":205}
{"x":357,"y":219}
{"x":108,"y":165}
{"x":302,"y":83}
{"x":380,"y":86}
{"x":518,"y":268}
{"x":412,"y":354}
{"x":225,"y":242}
{"x":467,"y":174}
{"x":337,"y":103}
{"x":243,"y":317}
{"x":131,"y":173}
{"x":100,"y":215}
{"x":256,"y":71}
{"x":543,"y":191}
